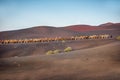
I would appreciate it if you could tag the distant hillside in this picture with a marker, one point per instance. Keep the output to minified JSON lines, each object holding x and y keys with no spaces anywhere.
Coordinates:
{"x":36,"y":32}
{"x":110,"y":25}
{"x":83,"y":28}
{"x":49,"y":31}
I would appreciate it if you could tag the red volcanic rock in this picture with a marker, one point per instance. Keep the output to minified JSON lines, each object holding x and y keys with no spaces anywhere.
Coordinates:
{"x":110,"y":25}
{"x":83,"y":28}
{"x":107,"y":24}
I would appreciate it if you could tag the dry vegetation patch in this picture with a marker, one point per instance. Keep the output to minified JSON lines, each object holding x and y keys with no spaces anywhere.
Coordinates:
{"x":118,"y":37}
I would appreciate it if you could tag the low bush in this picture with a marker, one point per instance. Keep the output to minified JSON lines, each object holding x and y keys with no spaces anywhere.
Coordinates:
{"x":68,"y":49}
{"x":49,"y":52}
{"x":56,"y":51}
{"x":118,"y":37}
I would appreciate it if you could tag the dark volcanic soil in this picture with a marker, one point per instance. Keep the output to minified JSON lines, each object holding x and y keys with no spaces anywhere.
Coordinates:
{"x":21,"y":49}
{"x":98,"y":63}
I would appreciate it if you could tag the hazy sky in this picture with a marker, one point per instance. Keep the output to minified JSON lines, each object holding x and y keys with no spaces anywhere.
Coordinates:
{"x":18,"y":14}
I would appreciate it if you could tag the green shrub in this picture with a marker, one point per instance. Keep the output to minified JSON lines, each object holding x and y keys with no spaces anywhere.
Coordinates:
{"x":49,"y":52}
{"x":118,"y":37}
{"x":68,"y":49}
{"x":56,"y":51}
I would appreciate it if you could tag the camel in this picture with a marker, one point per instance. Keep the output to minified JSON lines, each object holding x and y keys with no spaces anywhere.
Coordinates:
{"x":101,"y":36}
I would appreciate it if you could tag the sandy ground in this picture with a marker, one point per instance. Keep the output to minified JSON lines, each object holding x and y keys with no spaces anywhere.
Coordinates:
{"x":27,"y":49}
{"x":97,"y":63}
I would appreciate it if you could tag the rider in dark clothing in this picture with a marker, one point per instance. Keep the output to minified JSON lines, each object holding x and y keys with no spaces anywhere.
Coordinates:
{"x":111,"y":36}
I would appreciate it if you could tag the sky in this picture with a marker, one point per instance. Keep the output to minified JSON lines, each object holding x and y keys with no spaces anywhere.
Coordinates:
{"x":20,"y":14}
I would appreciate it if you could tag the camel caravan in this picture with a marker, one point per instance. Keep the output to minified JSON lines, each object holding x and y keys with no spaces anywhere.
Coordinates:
{"x":103,"y":36}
